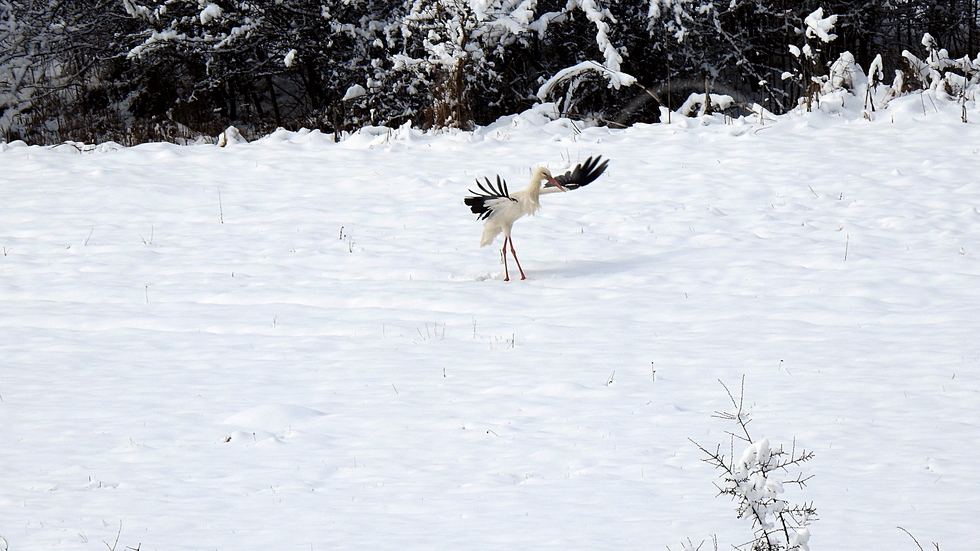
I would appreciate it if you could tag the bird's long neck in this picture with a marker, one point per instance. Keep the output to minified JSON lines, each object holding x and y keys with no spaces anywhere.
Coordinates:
{"x":533,"y":190}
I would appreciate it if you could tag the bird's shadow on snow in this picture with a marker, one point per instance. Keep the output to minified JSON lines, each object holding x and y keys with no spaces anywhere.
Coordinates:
{"x":578,"y":268}
{"x":565,"y":270}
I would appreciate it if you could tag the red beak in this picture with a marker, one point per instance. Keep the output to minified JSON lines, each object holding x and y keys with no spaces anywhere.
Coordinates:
{"x":555,"y":183}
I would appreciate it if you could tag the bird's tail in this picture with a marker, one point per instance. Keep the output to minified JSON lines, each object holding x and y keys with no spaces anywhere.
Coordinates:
{"x":489,"y":234}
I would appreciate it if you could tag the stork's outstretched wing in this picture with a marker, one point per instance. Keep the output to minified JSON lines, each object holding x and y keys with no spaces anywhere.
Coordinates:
{"x":482,"y":204}
{"x":580,"y":176}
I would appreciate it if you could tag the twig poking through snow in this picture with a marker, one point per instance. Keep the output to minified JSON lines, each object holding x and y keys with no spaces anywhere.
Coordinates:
{"x":911,"y":536}
{"x":118,"y":532}
{"x":221,"y":210}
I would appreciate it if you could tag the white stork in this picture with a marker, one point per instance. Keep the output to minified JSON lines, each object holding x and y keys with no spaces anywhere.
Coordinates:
{"x":501,"y":209}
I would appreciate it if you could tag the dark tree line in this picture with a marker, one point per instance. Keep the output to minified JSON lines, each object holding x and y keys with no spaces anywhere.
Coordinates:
{"x":138,"y":70}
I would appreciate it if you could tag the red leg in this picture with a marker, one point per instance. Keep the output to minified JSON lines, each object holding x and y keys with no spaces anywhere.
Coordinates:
{"x":513,"y":252}
{"x":503,"y":254}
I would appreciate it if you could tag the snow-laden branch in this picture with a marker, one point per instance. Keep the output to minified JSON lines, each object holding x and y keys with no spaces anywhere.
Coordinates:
{"x":715,"y":102}
{"x":155,"y":40}
{"x":210,"y":13}
{"x":819,"y":26}
{"x":601,"y":18}
{"x":142,"y":12}
{"x":616,"y":79}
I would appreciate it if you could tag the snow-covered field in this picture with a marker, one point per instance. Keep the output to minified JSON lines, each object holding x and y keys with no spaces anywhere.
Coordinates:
{"x":294,"y":344}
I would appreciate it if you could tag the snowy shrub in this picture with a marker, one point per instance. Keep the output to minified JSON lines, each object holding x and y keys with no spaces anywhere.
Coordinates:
{"x":953,"y":77}
{"x":705,"y":104}
{"x":809,"y":73}
{"x":845,"y":74}
{"x":756,"y":481}
{"x":876,"y":74}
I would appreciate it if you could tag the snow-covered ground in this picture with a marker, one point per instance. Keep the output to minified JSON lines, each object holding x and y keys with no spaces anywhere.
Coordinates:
{"x":296,"y":344}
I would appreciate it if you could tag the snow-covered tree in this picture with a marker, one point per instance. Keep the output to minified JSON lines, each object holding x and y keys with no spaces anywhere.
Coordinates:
{"x":723,"y":45}
{"x":85,"y":68}
{"x":51,"y":58}
{"x":278,"y":60}
{"x":448,"y":47}
{"x":593,"y":73}
{"x":463,"y":51}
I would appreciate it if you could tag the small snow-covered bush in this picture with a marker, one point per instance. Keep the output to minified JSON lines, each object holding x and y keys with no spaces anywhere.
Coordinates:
{"x":809,"y":67}
{"x":954,"y":77}
{"x":705,"y":104}
{"x":756,"y":481}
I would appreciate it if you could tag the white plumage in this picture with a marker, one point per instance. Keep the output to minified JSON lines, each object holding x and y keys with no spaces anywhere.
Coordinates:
{"x":501,"y":209}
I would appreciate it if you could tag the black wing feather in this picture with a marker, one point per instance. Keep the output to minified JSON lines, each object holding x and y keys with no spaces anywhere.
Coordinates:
{"x":478,"y":201}
{"x":582,"y":175}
